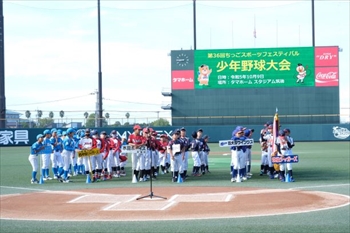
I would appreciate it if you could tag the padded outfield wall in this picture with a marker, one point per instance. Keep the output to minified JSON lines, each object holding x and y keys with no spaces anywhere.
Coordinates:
{"x":244,"y":86}
{"x":314,"y":132}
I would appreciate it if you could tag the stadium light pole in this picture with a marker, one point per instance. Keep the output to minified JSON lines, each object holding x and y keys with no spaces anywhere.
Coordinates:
{"x":194,"y":26}
{"x":313,"y":21}
{"x":99,"y":68}
{"x":2,"y":70}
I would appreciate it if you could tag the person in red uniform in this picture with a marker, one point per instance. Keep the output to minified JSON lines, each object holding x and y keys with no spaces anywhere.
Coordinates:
{"x":137,"y":141}
{"x":163,"y":153}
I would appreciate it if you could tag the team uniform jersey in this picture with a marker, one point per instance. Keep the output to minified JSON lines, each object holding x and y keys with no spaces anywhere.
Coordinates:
{"x":136,"y":139}
{"x":34,"y":149}
{"x":57,"y":144}
{"x":87,"y":143}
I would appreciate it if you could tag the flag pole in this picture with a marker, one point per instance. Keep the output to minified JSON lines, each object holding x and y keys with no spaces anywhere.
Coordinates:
{"x":254,"y":32}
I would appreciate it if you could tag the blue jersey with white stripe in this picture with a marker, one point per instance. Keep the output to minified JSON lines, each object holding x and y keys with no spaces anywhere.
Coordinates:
{"x":48,"y":146}
{"x":238,"y":148}
{"x":69,"y":144}
{"x":58,"y":141}
{"x":35,"y":148}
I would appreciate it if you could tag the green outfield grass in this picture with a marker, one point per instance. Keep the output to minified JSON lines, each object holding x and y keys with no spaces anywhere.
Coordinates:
{"x":323,"y":166}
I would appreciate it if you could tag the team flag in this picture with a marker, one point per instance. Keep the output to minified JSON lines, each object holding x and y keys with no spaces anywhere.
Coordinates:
{"x":275,"y":129}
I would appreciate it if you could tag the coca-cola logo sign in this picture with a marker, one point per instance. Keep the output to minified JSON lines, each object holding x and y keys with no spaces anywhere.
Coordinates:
{"x":327,"y":76}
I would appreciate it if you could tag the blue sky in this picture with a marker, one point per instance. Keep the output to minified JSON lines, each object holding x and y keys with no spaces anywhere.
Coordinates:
{"x":51,"y":47}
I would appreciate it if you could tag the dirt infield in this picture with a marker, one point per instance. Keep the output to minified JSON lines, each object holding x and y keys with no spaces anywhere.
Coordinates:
{"x":120,"y":204}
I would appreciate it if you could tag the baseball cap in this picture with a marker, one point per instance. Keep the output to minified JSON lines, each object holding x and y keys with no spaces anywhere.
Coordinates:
{"x":64,"y":133}
{"x":47,"y":132}
{"x":151,"y":130}
{"x":113,"y":132}
{"x":164,"y":136}
{"x":281,"y":132}
{"x":270,"y":127}
{"x":39,"y":136}
{"x":247,"y":132}
{"x":287,"y":130}
{"x":146,"y":130}
{"x":194,"y":134}
{"x":53,"y":130}
{"x":94,"y":132}
{"x":70,"y":130}
{"x":154,"y":133}
{"x":206,"y":136}
{"x":183,"y":129}
{"x":103,"y":132}
{"x":175,"y":131}
{"x":87,"y":131}
{"x":200,"y":130}
{"x":137,"y":127}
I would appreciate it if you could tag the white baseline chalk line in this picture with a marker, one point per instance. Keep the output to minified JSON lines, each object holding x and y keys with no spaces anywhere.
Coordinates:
{"x":319,"y":186}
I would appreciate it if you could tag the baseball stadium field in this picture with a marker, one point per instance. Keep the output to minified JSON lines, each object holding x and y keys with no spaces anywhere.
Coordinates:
{"x":318,"y":200}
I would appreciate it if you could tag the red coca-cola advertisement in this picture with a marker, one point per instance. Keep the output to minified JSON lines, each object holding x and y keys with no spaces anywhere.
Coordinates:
{"x":182,"y":79}
{"x":327,"y":56}
{"x":326,"y":76}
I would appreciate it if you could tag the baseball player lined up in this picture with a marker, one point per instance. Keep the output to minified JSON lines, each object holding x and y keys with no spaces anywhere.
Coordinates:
{"x":88,"y":143}
{"x":35,"y":150}
{"x":238,"y":157}
{"x":56,"y":157}
{"x":270,"y":141}
{"x":264,"y":167}
{"x":113,"y":162}
{"x":46,"y":155}
{"x":96,"y":163}
{"x":68,"y":153}
{"x":177,"y":154}
{"x":137,"y":141}
{"x":164,"y":158}
{"x":195,"y":148}
{"x":285,"y":144}
{"x":187,"y":144}
{"x":155,"y":145}
{"x":105,"y":152}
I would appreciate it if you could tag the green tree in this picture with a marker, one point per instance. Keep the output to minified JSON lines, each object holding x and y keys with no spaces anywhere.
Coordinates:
{"x":116,"y":124}
{"x":126,"y":124}
{"x":160,"y":122}
{"x":90,"y":121}
{"x":44,"y":122}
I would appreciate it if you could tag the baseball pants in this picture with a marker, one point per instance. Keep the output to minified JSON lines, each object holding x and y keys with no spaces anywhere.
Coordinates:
{"x":176,"y":164}
{"x":45,"y":161}
{"x":196,"y":159}
{"x":33,"y":159}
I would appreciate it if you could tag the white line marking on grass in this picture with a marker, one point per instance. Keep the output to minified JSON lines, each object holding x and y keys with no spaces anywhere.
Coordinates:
{"x":77,"y":199}
{"x":173,"y":197}
{"x":9,"y":187}
{"x":10,"y":195}
{"x":228,"y":198}
{"x":133,"y":198}
{"x":168,"y":205}
{"x":319,"y":186}
{"x":111,"y":206}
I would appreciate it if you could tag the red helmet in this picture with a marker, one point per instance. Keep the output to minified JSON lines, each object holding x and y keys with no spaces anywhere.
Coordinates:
{"x":137,"y":127}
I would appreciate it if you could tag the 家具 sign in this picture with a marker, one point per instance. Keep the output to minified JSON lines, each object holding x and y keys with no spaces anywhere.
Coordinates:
{"x":253,"y":68}
{"x":14,"y":137}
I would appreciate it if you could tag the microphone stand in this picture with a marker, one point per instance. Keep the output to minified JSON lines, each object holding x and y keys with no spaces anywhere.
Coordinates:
{"x":150,"y":195}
